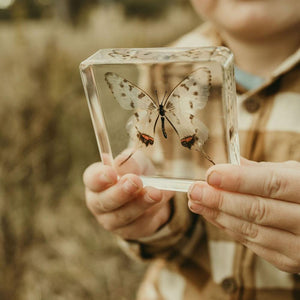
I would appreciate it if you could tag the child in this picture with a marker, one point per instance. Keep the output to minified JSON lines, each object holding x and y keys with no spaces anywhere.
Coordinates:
{"x":242,"y":240}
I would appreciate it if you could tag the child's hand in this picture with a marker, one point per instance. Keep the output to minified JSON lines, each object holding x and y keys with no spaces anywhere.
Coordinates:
{"x":123,"y":206}
{"x":257,"y":204}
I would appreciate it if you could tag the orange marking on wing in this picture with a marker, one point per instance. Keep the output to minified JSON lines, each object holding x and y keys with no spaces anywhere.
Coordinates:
{"x":187,"y":139}
{"x":147,"y":137}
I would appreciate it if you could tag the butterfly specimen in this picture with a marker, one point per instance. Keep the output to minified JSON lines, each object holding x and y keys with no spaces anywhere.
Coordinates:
{"x":180,"y":109}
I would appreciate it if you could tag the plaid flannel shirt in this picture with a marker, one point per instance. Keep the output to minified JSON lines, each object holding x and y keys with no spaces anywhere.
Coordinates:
{"x":192,"y":259}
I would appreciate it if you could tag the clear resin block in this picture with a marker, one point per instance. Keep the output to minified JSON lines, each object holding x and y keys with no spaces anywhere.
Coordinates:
{"x":173,"y":111}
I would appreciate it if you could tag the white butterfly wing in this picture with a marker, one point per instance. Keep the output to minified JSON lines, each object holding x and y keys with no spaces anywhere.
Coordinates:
{"x":141,"y":124}
{"x":140,"y":127}
{"x":128,"y":94}
{"x":193,"y":90}
{"x":183,"y":105}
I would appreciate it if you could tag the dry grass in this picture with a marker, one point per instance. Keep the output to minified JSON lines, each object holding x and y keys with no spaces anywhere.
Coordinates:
{"x":50,"y":246}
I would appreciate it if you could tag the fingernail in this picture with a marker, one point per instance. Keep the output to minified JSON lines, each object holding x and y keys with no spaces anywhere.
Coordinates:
{"x":197,"y":208}
{"x":196,"y":193}
{"x":106,"y":179}
{"x":214,"y":178}
{"x":129,"y":186}
{"x":149,"y":199}
{"x":155,"y":196}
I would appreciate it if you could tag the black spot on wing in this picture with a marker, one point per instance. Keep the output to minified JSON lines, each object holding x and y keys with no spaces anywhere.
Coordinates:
{"x":231,"y":130}
{"x":185,"y":86}
{"x":141,"y":95}
{"x":106,"y":76}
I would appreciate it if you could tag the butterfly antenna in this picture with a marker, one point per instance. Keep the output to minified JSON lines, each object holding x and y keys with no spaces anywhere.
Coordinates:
{"x":156,"y":94}
{"x":165,"y":97}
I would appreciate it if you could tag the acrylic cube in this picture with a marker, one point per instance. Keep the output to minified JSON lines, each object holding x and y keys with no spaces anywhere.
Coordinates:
{"x":172,"y":109}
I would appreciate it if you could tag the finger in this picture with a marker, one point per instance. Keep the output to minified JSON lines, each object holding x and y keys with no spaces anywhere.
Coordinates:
{"x":137,"y":163}
{"x":267,"y":212}
{"x":246,"y":162}
{"x":127,"y":189}
{"x":271,"y":238}
{"x":147,"y":224}
{"x":281,"y":261}
{"x":132,"y":210}
{"x":278,"y":240}
{"x":287,"y":164}
{"x":271,"y":182}
{"x":97,"y":177}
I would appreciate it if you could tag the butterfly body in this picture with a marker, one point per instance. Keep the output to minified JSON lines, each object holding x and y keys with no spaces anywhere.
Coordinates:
{"x":162,"y":112}
{"x":180,"y":109}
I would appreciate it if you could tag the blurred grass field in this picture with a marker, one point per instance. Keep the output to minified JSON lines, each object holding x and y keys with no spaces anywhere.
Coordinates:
{"x":50,"y":245}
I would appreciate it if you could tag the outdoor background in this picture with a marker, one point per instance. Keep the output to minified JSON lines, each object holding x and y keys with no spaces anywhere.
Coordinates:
{"x":51,"y":248}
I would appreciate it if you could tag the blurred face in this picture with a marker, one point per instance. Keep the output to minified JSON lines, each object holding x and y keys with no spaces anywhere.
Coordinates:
{"x":253,"y":18}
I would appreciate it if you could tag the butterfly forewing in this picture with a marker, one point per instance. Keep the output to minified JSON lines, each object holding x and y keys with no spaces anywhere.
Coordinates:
{"x":128,"y":94}
{"x":131,"y":97}
{"x":183,"y":105}
{"x":193,"y":90}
